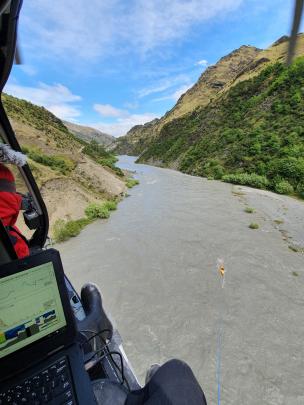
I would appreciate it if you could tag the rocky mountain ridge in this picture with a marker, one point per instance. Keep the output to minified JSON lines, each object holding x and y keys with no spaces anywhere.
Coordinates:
{"x":241,"y":64}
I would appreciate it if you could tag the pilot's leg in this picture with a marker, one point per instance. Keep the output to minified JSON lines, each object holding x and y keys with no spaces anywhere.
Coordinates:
{"x":173,"y":383}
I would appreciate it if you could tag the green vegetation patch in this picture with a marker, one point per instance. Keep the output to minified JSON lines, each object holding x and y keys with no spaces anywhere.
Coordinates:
{"x":247,"y":179}
{"x":100,"y":155}
{"x":64,"y":230}
{"x":253,"y":225}
{"x":249,"y":210}
{"x":100,"y":210}
{"x":61,"y":164}
{"x":283,"y":187}
{"x":131,"y":182}
{"x":294,"y":248}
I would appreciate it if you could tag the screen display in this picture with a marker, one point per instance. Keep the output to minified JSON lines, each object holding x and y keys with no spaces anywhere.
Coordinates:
{"x":30,"y":308}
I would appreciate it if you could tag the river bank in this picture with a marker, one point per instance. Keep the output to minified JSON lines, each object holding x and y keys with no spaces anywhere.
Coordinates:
{"x":155,"y":262}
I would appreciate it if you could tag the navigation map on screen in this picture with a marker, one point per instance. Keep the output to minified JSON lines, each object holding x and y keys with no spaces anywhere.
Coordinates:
{"x":30,"y":307}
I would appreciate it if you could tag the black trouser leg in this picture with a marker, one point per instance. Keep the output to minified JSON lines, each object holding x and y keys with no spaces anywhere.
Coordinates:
{"x":173,"y":384}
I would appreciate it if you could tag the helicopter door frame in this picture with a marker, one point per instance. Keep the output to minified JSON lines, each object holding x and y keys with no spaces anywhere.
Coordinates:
{"x":10,"y":12}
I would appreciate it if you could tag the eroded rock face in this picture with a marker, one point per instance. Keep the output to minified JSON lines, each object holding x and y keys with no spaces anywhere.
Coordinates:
{"x":284,"y":38}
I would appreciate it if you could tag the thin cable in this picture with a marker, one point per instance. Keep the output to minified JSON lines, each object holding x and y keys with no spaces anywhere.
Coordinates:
{"x":95,"y":334}
{"x":108,"y":353}
{"x":218,"y":361}
{"x":121,"y":370}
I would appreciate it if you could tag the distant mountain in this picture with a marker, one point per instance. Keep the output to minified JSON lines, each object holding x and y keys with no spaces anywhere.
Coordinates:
{"x":242,"y":64}
{"x":88,"y":134}
{"x":137,"y":139}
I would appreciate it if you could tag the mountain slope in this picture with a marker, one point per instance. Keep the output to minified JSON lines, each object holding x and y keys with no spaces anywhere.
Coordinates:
{"x":70,"y":173}
{"x":137,"y":139}
{"x":241,"y":64}
{"x":89,"y":134}
{"x":254,"y":131}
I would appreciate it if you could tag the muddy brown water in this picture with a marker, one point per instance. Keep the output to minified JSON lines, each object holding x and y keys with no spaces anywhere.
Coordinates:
{"x":155,"y":263}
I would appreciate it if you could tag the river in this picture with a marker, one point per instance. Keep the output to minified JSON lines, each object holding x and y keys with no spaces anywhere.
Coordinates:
{"x":155,"y":261}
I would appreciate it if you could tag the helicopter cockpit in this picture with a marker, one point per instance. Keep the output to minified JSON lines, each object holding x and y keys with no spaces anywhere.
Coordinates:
{"x":104,"y":360}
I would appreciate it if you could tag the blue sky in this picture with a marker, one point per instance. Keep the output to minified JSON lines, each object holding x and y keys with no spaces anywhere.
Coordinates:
{"x":113,"y":64}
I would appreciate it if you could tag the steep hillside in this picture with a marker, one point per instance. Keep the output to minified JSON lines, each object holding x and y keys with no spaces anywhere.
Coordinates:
{"x":252,"y":134}
{"x":137,"y":139}
{"x":70,"y":173}
{"x":89,"y":134}
{"x":241,"y":64}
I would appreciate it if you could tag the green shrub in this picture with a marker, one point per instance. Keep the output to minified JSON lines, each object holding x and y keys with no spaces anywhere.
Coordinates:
{"x":95,"y":210}
{"x":254,"y":226}
{"x":247,"y":179}
{"x":118,"y":171}
{"x":288,"y":168}
{"x":131,"y":182}
{"x":58,"y":163}
{"x":283,"y":187}
{"x":63,"y":230}
{"x":249,"y":210}
{"x":111,"y":205}
{"x":212,"y":169}
{"x":300,"y":189}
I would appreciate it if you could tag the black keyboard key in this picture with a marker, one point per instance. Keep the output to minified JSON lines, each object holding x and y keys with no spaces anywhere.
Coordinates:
{"x":61,"y":388}
{"x":46,"y":398}
{"x":65,"y":397}
{"x":54,"y":383}
{"x":51,"y":385}
{"x":43,"y":390}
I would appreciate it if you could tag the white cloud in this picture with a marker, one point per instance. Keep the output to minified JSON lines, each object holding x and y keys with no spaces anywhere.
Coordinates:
{"x":179,"y":92}
{"x":164,"y":84}
{"x":176,"y":94}
{"x":202,"y":62}
{"x":64,"y":111}
{"x":107,"y":110}
{"x":85,"y":30}
{"x":56,"y":98}
{"x":123,"y":125}
{"x":28,"y":69}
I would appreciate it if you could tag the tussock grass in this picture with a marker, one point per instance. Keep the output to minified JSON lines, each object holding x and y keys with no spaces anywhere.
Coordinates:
{"x":64,"y":230}
{"x":131,"y":182}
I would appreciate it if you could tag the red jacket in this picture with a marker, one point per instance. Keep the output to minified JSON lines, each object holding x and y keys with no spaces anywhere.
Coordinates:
{"x":10,"y":204}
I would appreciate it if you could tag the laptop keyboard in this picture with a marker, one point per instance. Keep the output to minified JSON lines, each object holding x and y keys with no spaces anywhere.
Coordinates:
{"x":53,"y":385}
